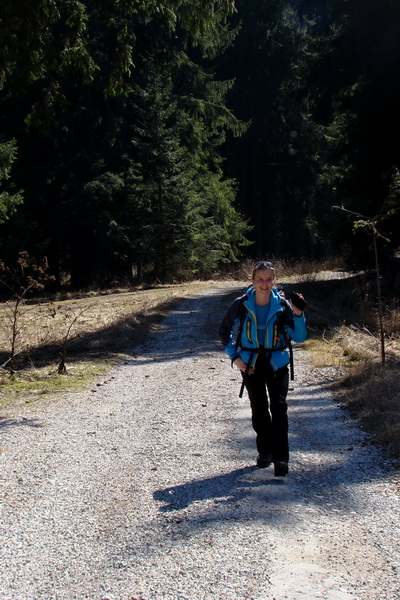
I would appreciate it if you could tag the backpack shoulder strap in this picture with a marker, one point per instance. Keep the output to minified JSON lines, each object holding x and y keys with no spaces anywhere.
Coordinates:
{"x":242,"y":317}
{"x":286,"y":318}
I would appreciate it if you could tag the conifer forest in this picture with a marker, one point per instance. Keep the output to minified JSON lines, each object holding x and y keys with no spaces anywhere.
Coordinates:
{"x":171,"y":139}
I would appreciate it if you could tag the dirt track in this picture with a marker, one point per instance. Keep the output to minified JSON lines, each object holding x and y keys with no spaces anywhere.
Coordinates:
{"x":143,"y":488}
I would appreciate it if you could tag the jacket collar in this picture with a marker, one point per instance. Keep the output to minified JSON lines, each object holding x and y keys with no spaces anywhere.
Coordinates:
{"x":275,"y":301}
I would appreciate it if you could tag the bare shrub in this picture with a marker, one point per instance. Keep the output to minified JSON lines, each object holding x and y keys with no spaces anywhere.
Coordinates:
{"x":17,"y":282}
{"x":70,"y":314}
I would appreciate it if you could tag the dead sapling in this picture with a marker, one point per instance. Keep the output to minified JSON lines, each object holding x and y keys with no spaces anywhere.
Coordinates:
{"x":71,"y":315}
{"x":371,"y":226}
{"x":19,"y":281}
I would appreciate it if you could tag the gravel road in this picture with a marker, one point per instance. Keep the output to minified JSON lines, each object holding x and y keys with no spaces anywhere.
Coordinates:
{"x":144,"y":487}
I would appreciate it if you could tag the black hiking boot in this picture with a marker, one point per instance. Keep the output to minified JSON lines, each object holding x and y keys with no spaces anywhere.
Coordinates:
{"x":281,"y":468}
{"x":264,"y":460}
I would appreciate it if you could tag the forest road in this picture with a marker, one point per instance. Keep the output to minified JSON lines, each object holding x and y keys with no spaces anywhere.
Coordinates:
{"x":144,"y":487}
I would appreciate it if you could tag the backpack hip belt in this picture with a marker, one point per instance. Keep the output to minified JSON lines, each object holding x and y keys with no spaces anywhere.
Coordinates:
{"x":262,"y":350}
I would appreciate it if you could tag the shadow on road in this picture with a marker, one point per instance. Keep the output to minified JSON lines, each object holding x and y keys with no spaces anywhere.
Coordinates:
{"x":6,"y":422}
{"x":229,"y":488}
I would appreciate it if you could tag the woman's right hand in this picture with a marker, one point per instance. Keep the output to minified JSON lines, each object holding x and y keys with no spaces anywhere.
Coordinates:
{"x":241,"y":365}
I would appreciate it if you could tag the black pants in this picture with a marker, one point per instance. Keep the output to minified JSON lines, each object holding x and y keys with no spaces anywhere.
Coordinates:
{"x":269,"y":419}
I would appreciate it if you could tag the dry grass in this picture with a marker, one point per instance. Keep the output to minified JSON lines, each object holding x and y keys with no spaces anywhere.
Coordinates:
{"x":372,"y":394}
{"x":391,"y":320}
{"x":95,"y":332}
{"x":342,"y":320}
{"x":291,"y":270}
{"x":346,"y":346}
{"x":344,"y":333}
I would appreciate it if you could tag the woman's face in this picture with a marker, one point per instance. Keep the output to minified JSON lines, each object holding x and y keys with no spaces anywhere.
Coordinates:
{"x":263,"y":281}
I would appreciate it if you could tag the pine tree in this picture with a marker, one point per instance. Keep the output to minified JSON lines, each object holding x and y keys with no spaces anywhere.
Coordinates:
{"x":353,"y":92}
{"x":186,"y":224}
{"x":135,"y":179}
{"x":9,"y":198}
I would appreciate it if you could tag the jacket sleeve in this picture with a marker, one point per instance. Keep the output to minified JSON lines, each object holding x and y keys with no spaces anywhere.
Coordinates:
{"x":226,"y":328}
{"x":295,"y":326}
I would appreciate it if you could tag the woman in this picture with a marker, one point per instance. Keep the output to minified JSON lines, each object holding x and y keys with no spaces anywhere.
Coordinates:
{"x":265,"y":318}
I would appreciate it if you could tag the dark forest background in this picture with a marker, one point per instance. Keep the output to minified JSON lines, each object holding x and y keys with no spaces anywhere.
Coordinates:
{"x":165,"y":140}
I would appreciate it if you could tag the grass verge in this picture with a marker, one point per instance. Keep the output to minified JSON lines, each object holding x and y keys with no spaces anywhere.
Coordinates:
{"x":94,"y":332}
{"x":341,"y":318}
{"x":343,"y":333}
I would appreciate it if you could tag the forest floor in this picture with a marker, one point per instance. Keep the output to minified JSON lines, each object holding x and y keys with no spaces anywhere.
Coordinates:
{"x":143,"y":487}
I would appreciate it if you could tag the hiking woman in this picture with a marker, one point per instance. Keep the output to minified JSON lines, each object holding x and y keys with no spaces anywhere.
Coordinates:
{"x":265,"y":319}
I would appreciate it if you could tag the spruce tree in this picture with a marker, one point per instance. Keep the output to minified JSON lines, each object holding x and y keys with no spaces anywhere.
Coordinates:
{"x":121,"y":179}
{"x":9,"y":197}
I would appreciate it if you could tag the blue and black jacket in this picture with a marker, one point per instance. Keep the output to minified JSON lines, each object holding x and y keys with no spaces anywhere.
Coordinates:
{"x":281,"y":322}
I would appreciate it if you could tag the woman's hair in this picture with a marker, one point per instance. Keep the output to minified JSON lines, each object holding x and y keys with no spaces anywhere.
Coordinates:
{"x":263,"y":264}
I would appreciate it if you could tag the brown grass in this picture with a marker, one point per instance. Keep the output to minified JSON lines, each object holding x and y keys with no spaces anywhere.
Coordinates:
{"x":342,"y":321}
{"x":95,"y":330}
{"x":291,"y":270}
{"x":372,"y":394}
{"x":343,"y":332}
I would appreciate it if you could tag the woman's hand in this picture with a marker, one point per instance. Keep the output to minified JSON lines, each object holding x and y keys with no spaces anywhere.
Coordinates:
{"x":241,"y":365}
{"x":296,"y":310}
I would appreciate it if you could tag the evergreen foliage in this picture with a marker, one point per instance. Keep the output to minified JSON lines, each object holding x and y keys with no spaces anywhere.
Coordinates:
{"x":319,"y":82}
{"x":353,"y":87}
{"x":135,"y":134}
{"x":9,"y":200}
{"x":121,"y":170}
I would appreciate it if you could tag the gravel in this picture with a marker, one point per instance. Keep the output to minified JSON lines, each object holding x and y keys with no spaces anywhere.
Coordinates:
{"x":144,"y":487}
